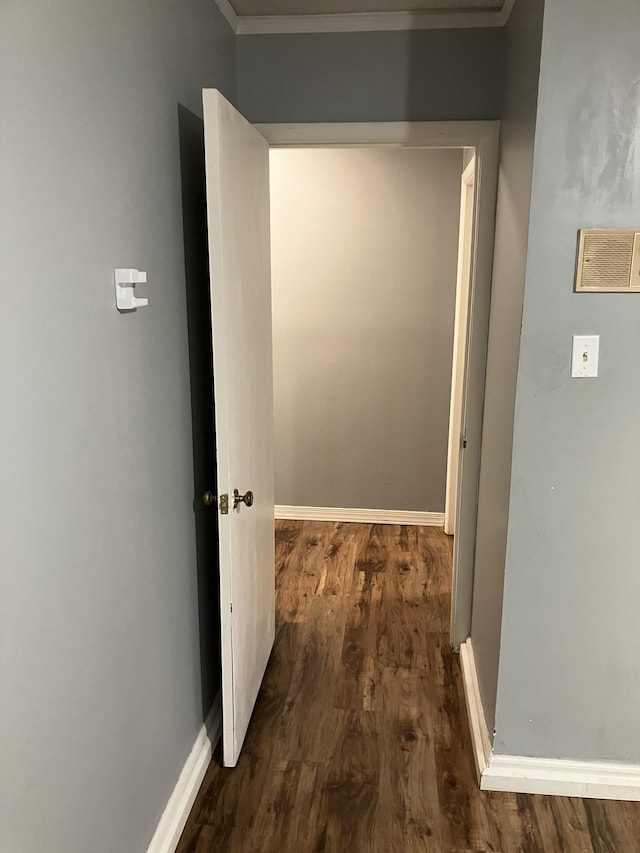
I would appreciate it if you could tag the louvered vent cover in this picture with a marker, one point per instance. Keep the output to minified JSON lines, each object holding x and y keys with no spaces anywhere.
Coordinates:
{"x":609,"y":260}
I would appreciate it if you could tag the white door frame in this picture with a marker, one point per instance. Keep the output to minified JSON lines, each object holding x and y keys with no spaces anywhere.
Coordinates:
{"x":483,"y":137}
{"x":463,"y":287}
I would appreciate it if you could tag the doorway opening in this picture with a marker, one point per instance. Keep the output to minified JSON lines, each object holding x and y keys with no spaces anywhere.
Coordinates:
{"x":237,"y":175}
{"x":473,"y":148}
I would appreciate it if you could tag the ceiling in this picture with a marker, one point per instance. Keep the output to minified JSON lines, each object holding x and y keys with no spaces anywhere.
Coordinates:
{"x":335,"y":7}
{"x":312,"y":16}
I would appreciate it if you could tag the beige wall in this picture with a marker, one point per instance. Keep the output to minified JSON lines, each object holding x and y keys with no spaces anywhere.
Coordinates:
{"x":364,"y":245}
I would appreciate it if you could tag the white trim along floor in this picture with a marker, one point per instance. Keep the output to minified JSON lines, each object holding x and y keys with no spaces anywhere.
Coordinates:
{"x":525,"y":775}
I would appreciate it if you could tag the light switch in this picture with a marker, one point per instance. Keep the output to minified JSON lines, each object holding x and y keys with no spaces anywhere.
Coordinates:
{"x":584,"y":360}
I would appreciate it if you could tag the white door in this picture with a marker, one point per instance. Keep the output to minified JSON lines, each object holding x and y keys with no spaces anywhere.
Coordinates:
{"x":237,"y":175}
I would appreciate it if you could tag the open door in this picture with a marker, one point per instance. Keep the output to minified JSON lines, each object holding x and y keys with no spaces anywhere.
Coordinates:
{"x":237,"y":176}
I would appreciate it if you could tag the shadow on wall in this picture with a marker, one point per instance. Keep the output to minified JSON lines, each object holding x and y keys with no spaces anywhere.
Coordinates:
{"x":196,"y":261}
{"x":416,"y":75}
{"x":455,"y":75}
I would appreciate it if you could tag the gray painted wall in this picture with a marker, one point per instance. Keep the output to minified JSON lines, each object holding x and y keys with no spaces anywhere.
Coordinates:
{"x":568,"y":682}
{"x":424,"y":75}
{"x":524,"y":34}
{"x":100,"y":661}
{"x":364,"y":254}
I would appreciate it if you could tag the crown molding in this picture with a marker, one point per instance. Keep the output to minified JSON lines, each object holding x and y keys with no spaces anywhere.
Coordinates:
{"x":351,"y":22}
{"x":507,"y":9}
{"x":229,"y":14}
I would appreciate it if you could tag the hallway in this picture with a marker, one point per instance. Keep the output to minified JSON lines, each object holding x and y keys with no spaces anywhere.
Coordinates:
{"x":359,"y":741}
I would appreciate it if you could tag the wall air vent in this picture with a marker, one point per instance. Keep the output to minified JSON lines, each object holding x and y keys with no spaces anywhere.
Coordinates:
{"x":608,"y":261}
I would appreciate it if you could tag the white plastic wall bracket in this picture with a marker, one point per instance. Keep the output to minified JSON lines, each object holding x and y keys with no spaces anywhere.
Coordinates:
{"x":125,"y":281}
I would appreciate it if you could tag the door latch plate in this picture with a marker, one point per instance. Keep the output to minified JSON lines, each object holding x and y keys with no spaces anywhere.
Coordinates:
{"x":224,"y":504}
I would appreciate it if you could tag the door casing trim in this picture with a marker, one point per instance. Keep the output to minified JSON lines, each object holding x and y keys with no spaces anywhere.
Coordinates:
{"x":483,"y":137}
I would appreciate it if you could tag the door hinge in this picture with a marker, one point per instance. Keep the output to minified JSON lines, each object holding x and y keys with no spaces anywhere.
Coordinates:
{"x":231,"y":607}
{"x":463,"y":443}
{"x":223,"y":502}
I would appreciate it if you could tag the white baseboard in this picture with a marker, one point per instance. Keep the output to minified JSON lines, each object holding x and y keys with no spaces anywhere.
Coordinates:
{"x":480,"y":738}
{"x":174,"y":817}
{"x":552,"y":776}
{"x":363,"y":516}
{"x":601,"y":780}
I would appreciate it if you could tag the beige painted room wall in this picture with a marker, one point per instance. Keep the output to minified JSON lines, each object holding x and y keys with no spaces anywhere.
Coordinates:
{"x":364,"y":252}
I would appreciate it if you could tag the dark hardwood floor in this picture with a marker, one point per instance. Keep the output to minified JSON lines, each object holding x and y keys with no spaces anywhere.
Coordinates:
{"x":359,"y":742}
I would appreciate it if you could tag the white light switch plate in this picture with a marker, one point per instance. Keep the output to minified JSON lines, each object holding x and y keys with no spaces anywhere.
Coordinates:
{"x":584,"y":359}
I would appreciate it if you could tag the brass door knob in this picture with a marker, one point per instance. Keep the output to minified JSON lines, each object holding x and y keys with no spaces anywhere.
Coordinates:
{"x":246,"y":499}
{"x":208,"y":498}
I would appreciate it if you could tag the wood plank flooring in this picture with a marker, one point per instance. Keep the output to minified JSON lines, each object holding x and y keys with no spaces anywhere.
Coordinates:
{"x":359,"y":742}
